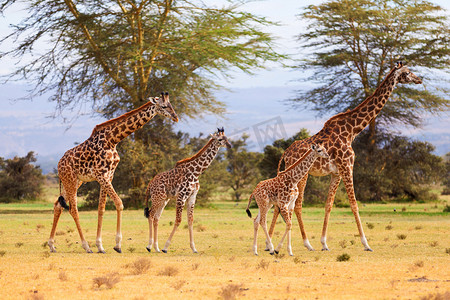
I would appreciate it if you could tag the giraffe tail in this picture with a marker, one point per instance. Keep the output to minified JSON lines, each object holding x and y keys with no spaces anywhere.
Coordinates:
{"x":61,"y":199}
{"x":146,"y":209}
{"x":249,"y":213}
{"x":62,"y":202}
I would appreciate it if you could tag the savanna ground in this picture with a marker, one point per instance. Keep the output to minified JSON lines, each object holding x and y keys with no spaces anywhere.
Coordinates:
{"x":411,"y":256}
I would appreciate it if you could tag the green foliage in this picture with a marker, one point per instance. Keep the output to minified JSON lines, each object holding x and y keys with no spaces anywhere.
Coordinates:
{"x":353,"y":45}
{"x":114,"y":54}
{"x":396,"y":168}
{"x":243,"y":174}
{"x":446,"y":181}
{"x":19,"y":178}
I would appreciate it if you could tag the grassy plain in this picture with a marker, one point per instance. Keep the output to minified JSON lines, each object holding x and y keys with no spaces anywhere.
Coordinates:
{"x":411,"y":256}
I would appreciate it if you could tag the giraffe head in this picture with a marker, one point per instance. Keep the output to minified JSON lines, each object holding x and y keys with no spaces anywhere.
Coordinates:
{"x":220,"y":137}
{"x":163,"y":106}
{"x":404,"y":75}
{"x":319,"y":150}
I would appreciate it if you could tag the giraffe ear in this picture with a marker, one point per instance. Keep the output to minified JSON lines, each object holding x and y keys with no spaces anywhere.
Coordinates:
{"x":313,"y":147}
{"x":399,"y":64}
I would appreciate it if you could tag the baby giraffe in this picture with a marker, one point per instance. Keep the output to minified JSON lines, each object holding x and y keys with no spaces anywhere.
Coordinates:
{"x":181,"y":183}
{"x":282,"y":191}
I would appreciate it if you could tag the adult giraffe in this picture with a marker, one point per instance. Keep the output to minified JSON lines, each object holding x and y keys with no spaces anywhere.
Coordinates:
{"x":337,"y":136}
{"x":96,"y":159}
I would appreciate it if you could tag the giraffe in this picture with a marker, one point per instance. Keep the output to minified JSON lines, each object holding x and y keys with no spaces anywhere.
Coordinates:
{"x":96,"y":160}
{"x":181,"y":183}
{"x":282,"y":191}
{"x":337,"y":136}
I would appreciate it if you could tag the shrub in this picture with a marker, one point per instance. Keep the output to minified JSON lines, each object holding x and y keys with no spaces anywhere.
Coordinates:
{"x":343,"y":257}
{"x":168,"y":271}
{"x":446,"y":208}
{"x":263,"y":264}
{"x":110,"y":280}
{"x":139,"y":266}
{"x":231,"y":291}
{"x":401,"y":236}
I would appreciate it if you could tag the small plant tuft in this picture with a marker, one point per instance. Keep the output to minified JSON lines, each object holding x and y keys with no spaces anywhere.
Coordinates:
{"x":343,"y":257}
{"x":419,"y":263}
{"x":110,"y":280}
{"x":263,"y":264}
{"x":131,"y":249}
{"x":343,"y":244}
{"x":2,"y":253}
{"x":401,"y":236}
{"x":178,"y":285}
{"x":62,"y":275}
{"x":447,"y":250}
{"x":19,"y":244}
{"x":418,"y":227}
{"x":370,"y":226}
{"x":446,"y":208}
{"x":195,"y":266}
{"x":434,"y":243}
{"x":231,"y":291}
{"x":389,"y":227}
{"x":139,"y":266}
{"x":168,"y":271}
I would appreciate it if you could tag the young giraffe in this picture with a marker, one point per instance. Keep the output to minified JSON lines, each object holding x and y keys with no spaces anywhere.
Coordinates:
{"x":181,"y":183}
{"x":281,"y":191}
{"x":96,"y":159}
{"x":337,"y":136}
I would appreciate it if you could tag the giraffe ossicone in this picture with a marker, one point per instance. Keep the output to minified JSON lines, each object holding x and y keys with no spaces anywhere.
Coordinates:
{"x":181,"y":183}
{"x":96,"y":159}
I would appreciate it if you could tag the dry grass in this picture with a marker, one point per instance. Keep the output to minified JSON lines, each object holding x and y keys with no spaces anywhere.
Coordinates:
{"x":62,"y":276}
{"x":231,"y":291}
{"x":224,"y":263}
{"x":109,"y":280}
{"x":139,"y":266}
{"x":168,"y":271}
{"x":401,"y":236}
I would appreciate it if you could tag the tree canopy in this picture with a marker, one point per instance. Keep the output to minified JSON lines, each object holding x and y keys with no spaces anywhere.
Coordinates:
{"x":114,"y":54}
{"x":354,"y":43}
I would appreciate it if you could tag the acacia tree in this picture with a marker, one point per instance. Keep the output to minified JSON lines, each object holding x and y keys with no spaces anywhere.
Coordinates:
{"x":114,"y":54}
{"x":354,"y":43}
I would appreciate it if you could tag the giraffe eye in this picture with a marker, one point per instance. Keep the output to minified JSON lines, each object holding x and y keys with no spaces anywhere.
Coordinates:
{"x":164,"y":106}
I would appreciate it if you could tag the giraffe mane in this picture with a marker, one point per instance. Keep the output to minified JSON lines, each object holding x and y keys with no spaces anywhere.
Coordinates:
{"x":349,"y":111}
{"x":124,"y":116}
{"x":200,"y":152}
{"x":297,"y":162}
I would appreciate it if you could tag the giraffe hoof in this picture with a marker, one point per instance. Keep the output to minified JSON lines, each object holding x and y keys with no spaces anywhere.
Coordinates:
{"x":276,"y":252}
{"x":164,"y":251}
{"x":325,"y":249}
{"x":89,"y":251}
{"x":101,"y":251}
{"x":368,"y":249}
{"x":267,"y":249}
{"x":148,"y":249}
{"x":118,"y":250}
{"x":271,"y":253}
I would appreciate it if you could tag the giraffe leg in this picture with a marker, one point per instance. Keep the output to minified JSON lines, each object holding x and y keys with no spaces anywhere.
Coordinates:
{"x":263,"y":209}
{"x":74,"y":213}
{"x":181,"y":200}
{"x":298,"y":211}
{"x":108,"y":188}
{"x":284,"y":211}
{"x":150,"y":232}
{"x":101,"y":212}
{"x":334,"y":184}
{"x":156,"y":222}
{"x":57,"y":210}
{"x":276,"y":212}
{"x":255,"y":236}
{"x":348,"y":181}
{"x":190,"y":217}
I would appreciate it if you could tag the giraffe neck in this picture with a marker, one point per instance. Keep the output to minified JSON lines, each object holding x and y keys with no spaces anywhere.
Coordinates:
{"x":203,"y":158}
{"x":369,"y":109}
{"x":119,"y":128}
{"x":300,"y":168}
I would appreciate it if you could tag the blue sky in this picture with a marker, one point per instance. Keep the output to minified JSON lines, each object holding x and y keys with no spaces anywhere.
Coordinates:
{"x":255,"y":103}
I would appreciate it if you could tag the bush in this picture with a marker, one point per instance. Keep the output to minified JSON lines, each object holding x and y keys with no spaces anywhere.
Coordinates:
{"x":343,"y":257}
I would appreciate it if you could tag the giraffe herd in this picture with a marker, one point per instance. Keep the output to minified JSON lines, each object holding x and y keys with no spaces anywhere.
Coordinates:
{"x":327,"y":152}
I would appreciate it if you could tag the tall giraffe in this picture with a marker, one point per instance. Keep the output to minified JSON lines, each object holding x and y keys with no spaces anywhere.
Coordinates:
{"x":96,"y":159}
{"x":337,"y":136}
{"x":282,"y":191}
{"x":181,"y":183}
